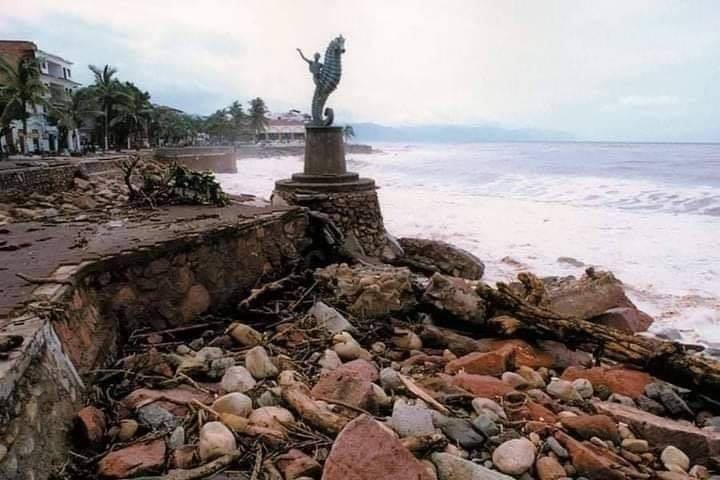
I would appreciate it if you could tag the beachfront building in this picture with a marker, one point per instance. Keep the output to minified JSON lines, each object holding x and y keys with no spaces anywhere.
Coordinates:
{"x":56,"y":74}
{"x":286,"y":127}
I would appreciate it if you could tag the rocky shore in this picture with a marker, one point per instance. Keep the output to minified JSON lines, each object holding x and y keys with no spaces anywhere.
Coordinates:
{"x":364,"y":372}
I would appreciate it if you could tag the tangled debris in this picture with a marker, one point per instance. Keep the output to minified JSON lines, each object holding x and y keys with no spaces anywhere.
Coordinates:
{"x":375,"y":372}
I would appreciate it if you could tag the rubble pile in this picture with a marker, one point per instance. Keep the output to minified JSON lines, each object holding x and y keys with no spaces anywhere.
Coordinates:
{"x":375,"y":372}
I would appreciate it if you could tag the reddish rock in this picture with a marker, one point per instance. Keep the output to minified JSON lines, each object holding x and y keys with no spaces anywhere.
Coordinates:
{"x":295,"y":464}
{"x":180,"y":396}
{"x":626,"y":319}
{"x":90,"y":424}
{"x":366,"y":450}
{"x":548,"y":468}
{"x":546,"y":353}
{"x":350,"y":383}
{"x":490,"y":363}
{"x":588,"y":426}
{"x":197,"y":300}
{"x":481,"y":385}
{"x":139,"y":458}
{"x":588,"y":297}
{"x":587,"y":462}
{"x":617,"y":379}
{"x":661,"y":432}
{"x":183,"y":457}
{"x":531,"y":411}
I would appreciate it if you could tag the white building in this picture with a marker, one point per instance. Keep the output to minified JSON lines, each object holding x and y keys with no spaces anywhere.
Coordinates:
{"x":56,"y":74}
{"x":285,"y":127}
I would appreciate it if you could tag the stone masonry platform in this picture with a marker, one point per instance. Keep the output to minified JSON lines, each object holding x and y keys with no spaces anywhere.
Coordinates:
{"x":93,"y":282}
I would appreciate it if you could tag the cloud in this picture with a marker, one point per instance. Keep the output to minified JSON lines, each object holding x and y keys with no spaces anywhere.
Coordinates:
{"x":542,"y":64}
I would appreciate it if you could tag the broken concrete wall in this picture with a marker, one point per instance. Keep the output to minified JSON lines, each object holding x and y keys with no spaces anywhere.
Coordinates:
{"x":73,"y":326}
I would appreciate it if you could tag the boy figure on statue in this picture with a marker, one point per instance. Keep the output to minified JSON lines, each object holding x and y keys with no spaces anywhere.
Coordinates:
{"x":314,"y":65}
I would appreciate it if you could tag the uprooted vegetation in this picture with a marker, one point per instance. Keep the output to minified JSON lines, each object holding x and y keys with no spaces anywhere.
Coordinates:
{"x":171,"y":184}
{"x":368,"y":372}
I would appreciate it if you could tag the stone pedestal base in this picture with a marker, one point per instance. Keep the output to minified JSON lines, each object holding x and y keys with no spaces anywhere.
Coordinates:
{"x":354,"y":209}
{"x":326,"y":186}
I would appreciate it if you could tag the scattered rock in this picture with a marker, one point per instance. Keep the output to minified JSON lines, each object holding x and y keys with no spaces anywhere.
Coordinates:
{"x":588,"y":426}
{"x":675,"y":459}
{"x":564,"y":390}
{"x":244,"y":335}
{"x":481,"y":385}
{"x":661,"y":432}
{"x":366,"y":450}
{"x":588,"y":462}
{"x":90,"y":424}
{"x":485,"y":424}
{"x":459,"y":430}
{"x":177,"y":438}
{"x":156,"y":417}
{"x":144,"y":457}
{"x":350,"y":383}
{"x":277,"y":418}
{"x":215,"y":441}
{"x":390,"y":379}
{"x":348,"y":348}
{"x":583,"y":387}
{"x":493,"y":363}
{"x":406,"y":339}
{"x":295,"y":464}
{"x":635,"y":445}
{"x":330,"y":319}
{"x":330,"y":360}
{"x":258,"y":363}
{"x":667,"y":396}
{"x":482,"y":405}
{"x":128,"y":429}
{"x":452,"y":467}
{"x":410,"y":420}
{"x":548,"y":468}
{"x":235,"y":403}
{"x":237,"y":379}
{"x":514,"y":457}
{"x":617,"y":379}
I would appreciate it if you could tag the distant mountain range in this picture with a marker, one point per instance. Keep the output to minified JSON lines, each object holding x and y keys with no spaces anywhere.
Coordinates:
{"x":373,"y":132}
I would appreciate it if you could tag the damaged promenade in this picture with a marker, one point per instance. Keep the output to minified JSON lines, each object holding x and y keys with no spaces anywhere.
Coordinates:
{"x":247,"y":342}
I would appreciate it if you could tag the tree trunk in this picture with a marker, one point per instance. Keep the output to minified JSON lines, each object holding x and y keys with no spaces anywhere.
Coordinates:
{"x":23,"y":143}
{"x":670,"y":361}
{"x":107,"y":120}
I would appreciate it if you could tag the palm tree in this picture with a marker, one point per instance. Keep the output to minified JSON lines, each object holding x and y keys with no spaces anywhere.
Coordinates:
{"x":107,"y":91}
{"x":258,"y":120}
{"x":238,"y":119}
{"x":134,"y":111}
{"x":72,"y":114}
{"x":348,"y":133}
{"x":22,"y":91}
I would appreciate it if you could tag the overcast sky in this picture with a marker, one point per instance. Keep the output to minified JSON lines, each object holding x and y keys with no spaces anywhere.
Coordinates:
{"x":600,"y":70}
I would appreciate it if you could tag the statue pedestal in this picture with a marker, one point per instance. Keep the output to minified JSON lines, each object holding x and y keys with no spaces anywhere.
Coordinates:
{"x":325,"y":185}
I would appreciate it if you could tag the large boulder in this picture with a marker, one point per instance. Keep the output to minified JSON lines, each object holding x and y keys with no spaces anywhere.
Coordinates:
{"x":661,"y":432}
{"x":367,"y":290}
{"x":455,"y":297}
{"x":590,"y":296}
{"x":434,"y":256}
{"x":367,"y":450}
{"x":626,"y":319}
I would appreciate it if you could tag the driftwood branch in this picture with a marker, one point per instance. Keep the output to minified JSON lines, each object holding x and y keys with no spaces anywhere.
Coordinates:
{"x":670,"y":361}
